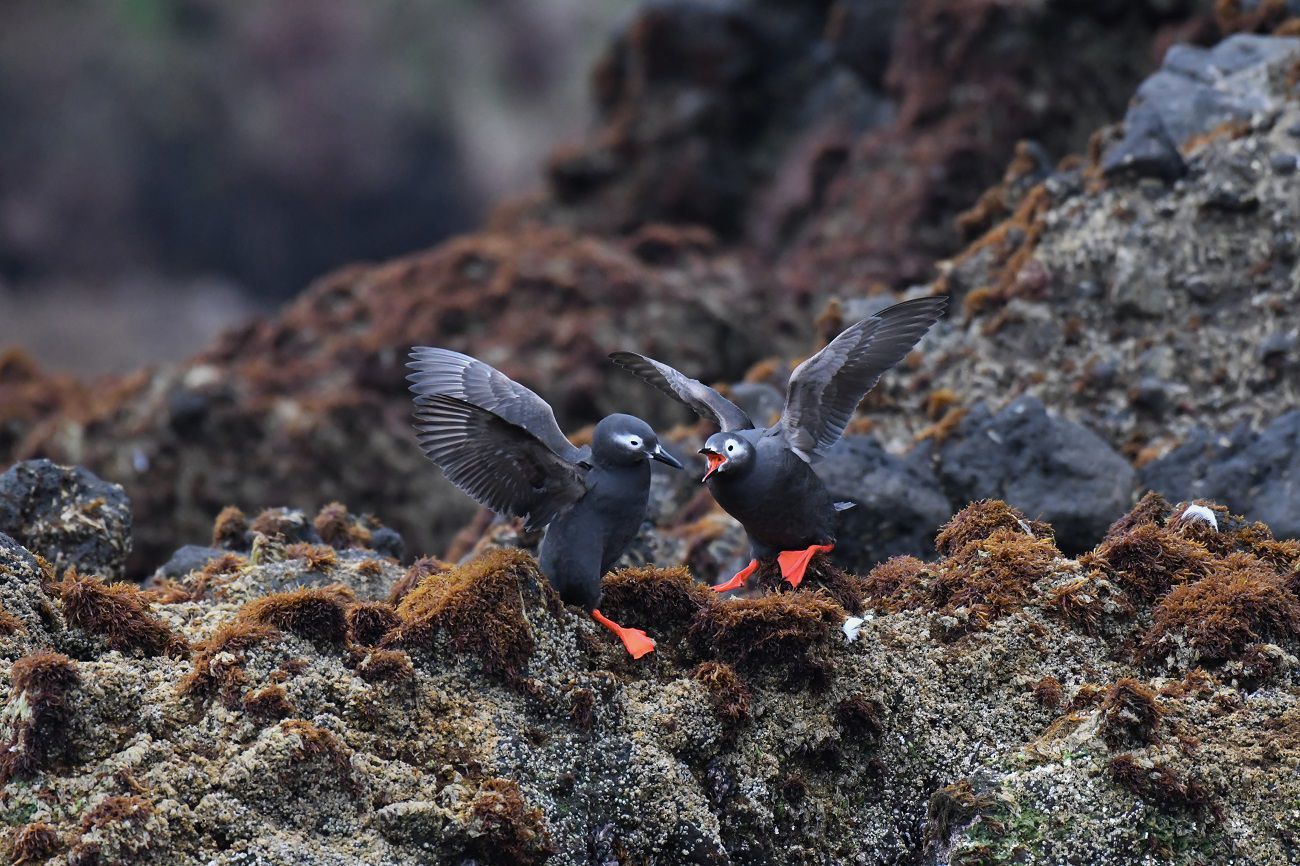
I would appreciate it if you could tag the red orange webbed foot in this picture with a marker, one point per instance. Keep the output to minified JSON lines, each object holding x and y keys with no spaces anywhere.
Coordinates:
{"x":636,"y":642}
{"x":740,"y":578}
{"x":795,"y":562}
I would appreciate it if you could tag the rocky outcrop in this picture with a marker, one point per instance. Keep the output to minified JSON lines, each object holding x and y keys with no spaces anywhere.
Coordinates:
{"x":751,"y":160}
{"x":1002,"y":701}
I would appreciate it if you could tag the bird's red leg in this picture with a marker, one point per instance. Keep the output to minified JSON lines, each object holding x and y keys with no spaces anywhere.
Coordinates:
{"x":795,"y":562}
{"x":739,"y":580}
{"x":637,"y":642}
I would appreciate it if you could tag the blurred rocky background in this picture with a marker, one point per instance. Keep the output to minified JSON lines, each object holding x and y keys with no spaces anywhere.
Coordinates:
{"x":168,"y":169}
{"x":1106,"y":190}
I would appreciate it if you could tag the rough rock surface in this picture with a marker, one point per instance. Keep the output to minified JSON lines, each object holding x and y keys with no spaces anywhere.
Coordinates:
{"x":68,"y":515}
{"x":1002,"y":702}
{"x":1048,"y":467}
{"x":1250,"y":471}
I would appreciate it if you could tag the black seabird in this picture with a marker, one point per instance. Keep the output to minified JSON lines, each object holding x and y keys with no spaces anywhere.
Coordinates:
{"x":764,"y":477}
{"x":499,"y":442}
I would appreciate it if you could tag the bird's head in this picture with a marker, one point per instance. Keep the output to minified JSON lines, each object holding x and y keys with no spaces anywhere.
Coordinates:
{"x":625,"y":440}
{"x":727,"y":453}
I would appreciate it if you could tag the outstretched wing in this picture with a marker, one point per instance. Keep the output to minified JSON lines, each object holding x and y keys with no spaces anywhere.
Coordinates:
{"x":705,"y":401}
{"x":500,"y":464}
{"x":825,"y":389}
{"x":442,"y":371}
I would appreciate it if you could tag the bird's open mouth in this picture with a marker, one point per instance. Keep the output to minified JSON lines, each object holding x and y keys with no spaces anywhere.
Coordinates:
{"x":715,"y":460}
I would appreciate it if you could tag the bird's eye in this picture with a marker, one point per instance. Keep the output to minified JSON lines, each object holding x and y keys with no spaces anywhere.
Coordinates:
{"x":731,"y":447}
{"x":635,"y":443}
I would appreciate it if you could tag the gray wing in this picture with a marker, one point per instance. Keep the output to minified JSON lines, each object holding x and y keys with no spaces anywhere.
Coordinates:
{"x":500,"y":464}
{"x":705,"y":401}
{"x":442,"y":371}
{"x":825,"y":389}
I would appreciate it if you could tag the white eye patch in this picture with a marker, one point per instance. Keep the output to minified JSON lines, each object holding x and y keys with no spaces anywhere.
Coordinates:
{"x":629,"y":440}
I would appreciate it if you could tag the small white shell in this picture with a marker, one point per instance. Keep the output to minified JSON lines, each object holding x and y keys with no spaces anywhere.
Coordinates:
{"x":852,"y":626}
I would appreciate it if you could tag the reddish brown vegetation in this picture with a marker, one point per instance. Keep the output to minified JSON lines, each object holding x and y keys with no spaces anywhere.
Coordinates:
{"x":381,"y":665}
{"x":418,"y":571}
{"x":665,"y":598}
{"x":315,"y":614}
{"x":369,"y":621}
{"x":230,"y":529}
{"x":212,"y":673}
{"x":34,"y":843}
{"x":271,"y":702}
{"x":774,"y":628}
{"x":43,"y":681}
{"x":897,"y":584}
{"x":478,"y":607}
{"x":1130,"y":714}
{"x":727,"y":691}
{"x":982,"y":519}
{"x":1158,"y":784}
{"x":1147,"y":560}
{"x":991,"y":577}
{"x":504,"y":828}
{"x":119,"y":613}
{"x":1241,"y":602}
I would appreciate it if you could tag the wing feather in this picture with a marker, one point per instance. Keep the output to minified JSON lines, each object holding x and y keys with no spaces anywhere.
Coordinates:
{"x":825,"y":389}
{"x":500,"y":464}
{"x":706,"y":402}
{"x":442,"y":371}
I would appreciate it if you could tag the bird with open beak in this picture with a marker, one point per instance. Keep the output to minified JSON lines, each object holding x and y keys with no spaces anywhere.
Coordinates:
{"x":763,"y":476}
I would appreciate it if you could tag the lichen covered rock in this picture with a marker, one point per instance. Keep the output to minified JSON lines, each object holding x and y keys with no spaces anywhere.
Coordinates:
{"x":1000,"y":701}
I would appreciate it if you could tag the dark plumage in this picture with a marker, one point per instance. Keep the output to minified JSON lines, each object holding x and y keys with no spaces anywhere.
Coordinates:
{"x":764,"y":477}
{"x":499,"y":442}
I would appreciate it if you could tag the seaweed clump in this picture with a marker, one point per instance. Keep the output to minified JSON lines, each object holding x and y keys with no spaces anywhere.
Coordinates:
{"x":217,"y":664}
{"x":415,"y":575}
{"x":1158,"y":784}
{"x":668,"y":597}
{"x":316,"y":742}
{"x":861,"y":716}
{"x":479,"y":607}
{"x":119,"y":613}
{"x":34,"y":843}
{"x":319,"y":615}
{"x":981,"y":520}
{"x":36,"y":718}
{"x":1130,"y":714}
{"x":990,"y":577}
{"x":271,"y":702}
{"x":381,"y":665}
{"x":1148,"y":559}
{"x":502,"y":828}
{"x":898,"y":583}
{"x":728,"y":693}
{"x":115,"y":832}
{"x":230,"y":529}
{"x":774,"y":628}
{"x":1085,"y":602}
{"x":1242,"y":602}
{"x":10,"y":624}
{"x":369,"y":621}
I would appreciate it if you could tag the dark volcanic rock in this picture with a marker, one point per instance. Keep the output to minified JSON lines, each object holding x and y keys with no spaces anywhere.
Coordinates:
{"x":68,"y":515}
{"x":899,"y":504}
{"x":1196,"y":91}
{"x":190,"y":558}
{"x":1255,"y":473}
{"x":1050,"y":468}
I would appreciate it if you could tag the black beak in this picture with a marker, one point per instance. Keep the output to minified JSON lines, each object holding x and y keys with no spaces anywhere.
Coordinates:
{"x":664,"y":457}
